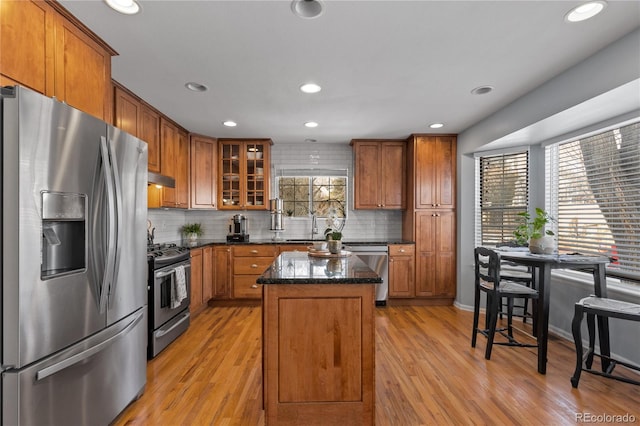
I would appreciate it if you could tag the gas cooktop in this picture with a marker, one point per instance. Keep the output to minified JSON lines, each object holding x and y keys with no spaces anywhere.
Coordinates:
{"x":163,"y":254}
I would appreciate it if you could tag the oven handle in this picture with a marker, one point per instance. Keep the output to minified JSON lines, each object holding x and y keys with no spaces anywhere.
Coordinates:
{"x":185,"y":316}
{"x":187,"y":267}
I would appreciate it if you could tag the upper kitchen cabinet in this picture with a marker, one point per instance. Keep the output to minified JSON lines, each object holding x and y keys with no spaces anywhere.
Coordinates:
{"x":243,"y":173}
{"x":57,"y":56}
{"x":134,"y":116}
{"x":204,"y":154}
{"x":433,"y":169}
{"x":379,"y":174}
{"x":174,"y":162}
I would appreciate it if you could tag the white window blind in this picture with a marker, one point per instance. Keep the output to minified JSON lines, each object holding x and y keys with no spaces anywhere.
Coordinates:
{"x":594,"y":185}
{"x":503,"y":193}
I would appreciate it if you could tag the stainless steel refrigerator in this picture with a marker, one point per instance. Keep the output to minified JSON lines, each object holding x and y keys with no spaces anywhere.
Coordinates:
{"x":74,"y":285}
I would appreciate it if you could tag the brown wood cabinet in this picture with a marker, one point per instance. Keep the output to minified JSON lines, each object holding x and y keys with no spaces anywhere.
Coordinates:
{"x":318,"y":354}
{"x":204,"y":153}
{"x":45,"y":48}
{"x":402,"y":261}
{"x":379,"y":174}
{"x":243,"y":174}
{"x":435,"y":171}
{"x":435,"y":252}
{"x":195,"y":305}
{"x":222,"y":275}
{"x":430,"y":218}
{"x":202,"y":277}
{"x":249,"y":262}
{"x":174,"y":162}
{"x":134,"y":116}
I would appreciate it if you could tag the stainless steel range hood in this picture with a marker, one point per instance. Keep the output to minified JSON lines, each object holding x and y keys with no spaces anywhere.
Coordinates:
{"x":162,"y":180}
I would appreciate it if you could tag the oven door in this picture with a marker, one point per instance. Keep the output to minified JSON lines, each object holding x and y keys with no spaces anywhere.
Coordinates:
{"x":164,"y":280}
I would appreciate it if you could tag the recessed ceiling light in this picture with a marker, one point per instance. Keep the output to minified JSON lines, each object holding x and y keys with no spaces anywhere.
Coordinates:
{"x":310,"y":88}
{"x":196,"y":87}
{"x":436,"y":125}
{"x":128,"y":7}
{"x":482,"y":90}
{"x":307,"y":9}
{"x":585,"y":11}
{"x":230,"y":123}
{"x":311,"y":124}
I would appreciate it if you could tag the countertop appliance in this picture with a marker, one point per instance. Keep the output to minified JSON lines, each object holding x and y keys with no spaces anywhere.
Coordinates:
{"x":238,"y":229}
{"x":73,"y":303}
{"x":376,"y":256}
{"x":167,"y":321}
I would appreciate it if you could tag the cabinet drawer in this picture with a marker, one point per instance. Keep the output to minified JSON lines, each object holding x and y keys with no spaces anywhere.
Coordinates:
{"x":401,"y":249}
{"x":251,"y":265}
{"x":245,"y":287}
{"x":254,"y":250}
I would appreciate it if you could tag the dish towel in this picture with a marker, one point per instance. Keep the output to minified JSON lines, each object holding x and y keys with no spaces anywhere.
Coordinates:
{"x":178,"y":287}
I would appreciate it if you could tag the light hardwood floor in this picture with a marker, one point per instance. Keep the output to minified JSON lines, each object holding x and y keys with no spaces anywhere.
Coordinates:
{"x":426,"y":374}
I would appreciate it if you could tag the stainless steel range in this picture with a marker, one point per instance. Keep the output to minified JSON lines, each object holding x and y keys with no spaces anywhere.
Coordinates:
{"x":169,"y":275}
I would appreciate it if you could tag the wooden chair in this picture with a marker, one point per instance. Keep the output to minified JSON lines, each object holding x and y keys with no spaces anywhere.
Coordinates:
{"x":510,"y":271}
{"x":603,"y":307}
{"x":488,"y":280}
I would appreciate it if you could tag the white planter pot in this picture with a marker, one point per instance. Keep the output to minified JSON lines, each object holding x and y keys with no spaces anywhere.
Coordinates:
{"x":335,"y":246}
{"x":542,"y":245}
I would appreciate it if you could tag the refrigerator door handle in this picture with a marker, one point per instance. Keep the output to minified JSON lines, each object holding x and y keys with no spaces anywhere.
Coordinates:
{"x":118,"y":214}
{"x":109,"y":267}
{"x":68,"y":362}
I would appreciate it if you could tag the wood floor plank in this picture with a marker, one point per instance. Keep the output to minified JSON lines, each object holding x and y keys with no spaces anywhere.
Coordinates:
{"x":426,"y":374}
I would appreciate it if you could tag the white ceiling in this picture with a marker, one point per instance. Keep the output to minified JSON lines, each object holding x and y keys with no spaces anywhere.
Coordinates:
{"x":387,"y":68}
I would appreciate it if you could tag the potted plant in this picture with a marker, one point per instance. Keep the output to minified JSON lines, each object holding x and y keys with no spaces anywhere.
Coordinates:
{"x":334,"y":240}
{"x":533,"y":231}
{"x":192,"y":231}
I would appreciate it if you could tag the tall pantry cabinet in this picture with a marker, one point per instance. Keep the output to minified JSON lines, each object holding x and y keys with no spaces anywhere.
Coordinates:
{"x":430,"y":218}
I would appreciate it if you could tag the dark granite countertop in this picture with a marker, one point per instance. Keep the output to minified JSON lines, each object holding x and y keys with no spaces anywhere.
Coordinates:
{"x":207,"y":242}
{"x":300,"y":268}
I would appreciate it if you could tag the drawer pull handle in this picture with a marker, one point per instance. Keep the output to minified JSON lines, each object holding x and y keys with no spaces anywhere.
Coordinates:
{"x":254,"y":251}
{"x":254,"y":265}
{"x":254,"y":286}
{"x":401,"y":250}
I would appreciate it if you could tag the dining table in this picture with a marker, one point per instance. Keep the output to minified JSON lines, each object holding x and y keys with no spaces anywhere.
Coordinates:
{"x":542,"y":265}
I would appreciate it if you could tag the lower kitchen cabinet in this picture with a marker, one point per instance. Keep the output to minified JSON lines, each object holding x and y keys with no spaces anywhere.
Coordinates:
{"x":196,"y":281}
{"x":402,"y":261}
{"x":435,"y":254}
{"x":202,"y":275}
{"x":222,"y":276}
{"x":249,"y":262}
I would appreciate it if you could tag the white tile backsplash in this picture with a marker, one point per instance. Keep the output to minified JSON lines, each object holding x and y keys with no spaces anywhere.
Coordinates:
{"x":361,"y":224}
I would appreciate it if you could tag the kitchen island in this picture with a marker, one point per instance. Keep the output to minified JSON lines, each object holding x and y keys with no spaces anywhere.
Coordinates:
{"x":318,"y":340}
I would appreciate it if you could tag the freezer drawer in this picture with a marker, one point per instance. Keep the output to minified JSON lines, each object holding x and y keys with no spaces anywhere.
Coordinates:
{"x":89,"y":383}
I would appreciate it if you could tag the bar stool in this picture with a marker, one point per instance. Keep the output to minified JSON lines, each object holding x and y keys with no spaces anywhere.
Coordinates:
{"x":602,"y":307}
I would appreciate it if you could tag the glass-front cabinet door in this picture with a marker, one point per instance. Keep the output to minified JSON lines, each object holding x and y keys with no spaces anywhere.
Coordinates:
{"x":244,"y":174}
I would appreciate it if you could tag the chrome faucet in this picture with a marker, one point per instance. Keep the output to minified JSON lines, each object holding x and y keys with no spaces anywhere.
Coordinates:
{"x":314,"y":224}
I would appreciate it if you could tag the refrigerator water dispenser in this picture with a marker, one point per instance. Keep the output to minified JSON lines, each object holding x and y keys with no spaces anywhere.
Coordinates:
{"x":63,"y":234}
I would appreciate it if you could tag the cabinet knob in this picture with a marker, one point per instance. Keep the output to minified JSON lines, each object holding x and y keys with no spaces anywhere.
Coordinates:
{"x":254,"y":251}
{"x":254,"y":286}
{"x":254,"y":266}
{"x":401,"y":250}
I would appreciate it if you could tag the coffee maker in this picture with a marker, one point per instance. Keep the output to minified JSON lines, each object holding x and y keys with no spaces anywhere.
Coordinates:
{"x":238,"y":229}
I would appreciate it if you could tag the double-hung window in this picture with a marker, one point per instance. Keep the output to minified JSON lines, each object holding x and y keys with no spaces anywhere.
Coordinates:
{"x":594,"y":193}
{"x":502,"y":192}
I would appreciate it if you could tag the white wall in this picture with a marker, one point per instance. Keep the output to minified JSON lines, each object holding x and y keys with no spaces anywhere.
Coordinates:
{"x":360,"y":224}
{"x":612,"y":67}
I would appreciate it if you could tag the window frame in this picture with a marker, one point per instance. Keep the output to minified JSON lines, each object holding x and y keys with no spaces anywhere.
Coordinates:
{"x":554,"y":202}
{"x":505,"y":211}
